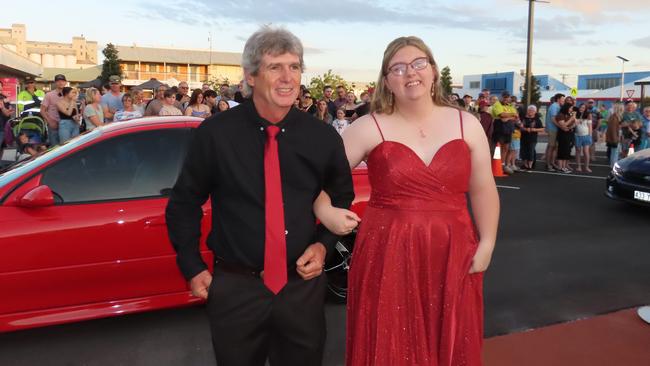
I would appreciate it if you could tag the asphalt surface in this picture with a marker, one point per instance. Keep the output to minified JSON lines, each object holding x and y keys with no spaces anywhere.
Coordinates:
{"x":564,"y":252}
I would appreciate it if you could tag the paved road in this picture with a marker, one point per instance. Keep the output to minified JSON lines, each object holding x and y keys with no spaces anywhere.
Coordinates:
{"x":564,"y":252}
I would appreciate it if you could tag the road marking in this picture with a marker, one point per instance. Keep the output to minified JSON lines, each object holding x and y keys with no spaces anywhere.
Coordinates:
{"x":507,"y":187}
{"x":568,"y":175}
{"x":603,"y":165}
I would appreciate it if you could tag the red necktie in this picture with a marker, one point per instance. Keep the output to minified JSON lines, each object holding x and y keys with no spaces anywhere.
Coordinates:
{"x":275,"y":243}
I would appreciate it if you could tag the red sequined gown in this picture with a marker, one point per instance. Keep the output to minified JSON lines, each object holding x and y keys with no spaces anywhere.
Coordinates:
{"x":411,"y":300}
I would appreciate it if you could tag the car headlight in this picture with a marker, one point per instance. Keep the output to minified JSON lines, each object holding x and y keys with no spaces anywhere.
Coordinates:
{"x":617,"y":170}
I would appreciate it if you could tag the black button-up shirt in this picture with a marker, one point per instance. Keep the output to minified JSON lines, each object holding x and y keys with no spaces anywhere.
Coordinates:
{"x":225,"y":162}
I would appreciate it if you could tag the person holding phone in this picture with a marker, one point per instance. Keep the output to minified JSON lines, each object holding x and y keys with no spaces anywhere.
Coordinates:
{"x":566,"y":121}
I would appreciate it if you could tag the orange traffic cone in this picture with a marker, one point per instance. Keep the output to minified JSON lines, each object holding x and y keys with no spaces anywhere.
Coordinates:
{"x":497,"y":169}
{"x":630,"y":151}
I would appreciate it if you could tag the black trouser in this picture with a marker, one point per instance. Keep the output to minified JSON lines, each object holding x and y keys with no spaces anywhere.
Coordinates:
{"x":250,"y":325}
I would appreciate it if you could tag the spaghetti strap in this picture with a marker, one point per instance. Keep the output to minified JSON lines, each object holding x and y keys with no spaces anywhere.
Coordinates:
{"x":462,"y":134}
{"x":377,"y":124}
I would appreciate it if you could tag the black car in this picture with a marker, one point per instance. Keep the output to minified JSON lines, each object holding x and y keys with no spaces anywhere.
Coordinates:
{"x":629,"y":180}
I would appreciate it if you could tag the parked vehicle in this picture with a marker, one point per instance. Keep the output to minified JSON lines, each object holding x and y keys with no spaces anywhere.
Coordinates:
{"x":629,"y":179}
{"x":83,"y":231}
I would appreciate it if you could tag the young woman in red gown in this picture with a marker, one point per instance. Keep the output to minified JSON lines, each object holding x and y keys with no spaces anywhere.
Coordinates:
{"x":415,"y":284}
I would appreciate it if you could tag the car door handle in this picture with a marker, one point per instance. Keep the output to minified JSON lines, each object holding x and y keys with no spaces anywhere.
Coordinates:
{"x":155,"y":221}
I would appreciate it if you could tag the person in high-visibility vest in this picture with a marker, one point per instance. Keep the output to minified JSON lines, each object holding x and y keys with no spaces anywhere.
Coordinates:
{"x":30,"y":94}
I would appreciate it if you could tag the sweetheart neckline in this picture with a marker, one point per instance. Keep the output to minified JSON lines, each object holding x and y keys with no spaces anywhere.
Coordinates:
{"x":408,"y":148}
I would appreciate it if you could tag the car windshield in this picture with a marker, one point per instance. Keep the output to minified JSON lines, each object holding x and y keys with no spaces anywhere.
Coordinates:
{"x":9,"y":173}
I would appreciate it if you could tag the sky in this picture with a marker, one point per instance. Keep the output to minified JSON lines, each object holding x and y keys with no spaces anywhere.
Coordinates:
{"x":471,"y":37}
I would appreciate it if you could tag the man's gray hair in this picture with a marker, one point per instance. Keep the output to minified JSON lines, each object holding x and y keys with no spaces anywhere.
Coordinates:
{"x":272,"y":41}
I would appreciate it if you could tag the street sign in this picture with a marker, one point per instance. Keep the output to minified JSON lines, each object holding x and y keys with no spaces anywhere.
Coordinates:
{"x":630,"y":93}
{"x":574,"y":92}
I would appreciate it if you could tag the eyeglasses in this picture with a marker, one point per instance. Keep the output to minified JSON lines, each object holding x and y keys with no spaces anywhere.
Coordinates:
{"x":400,"y":69}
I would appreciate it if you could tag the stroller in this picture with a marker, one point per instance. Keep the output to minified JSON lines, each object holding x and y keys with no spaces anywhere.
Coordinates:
{"x":29,"y":122}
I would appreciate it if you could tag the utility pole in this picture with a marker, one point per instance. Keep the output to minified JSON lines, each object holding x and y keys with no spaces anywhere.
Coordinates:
{"x":564,"y":78}
{"x":529,"y":51}
{"x":624,"y":60}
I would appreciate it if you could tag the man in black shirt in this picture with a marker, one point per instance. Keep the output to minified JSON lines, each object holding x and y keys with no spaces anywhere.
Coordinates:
{"x":255,"y":313}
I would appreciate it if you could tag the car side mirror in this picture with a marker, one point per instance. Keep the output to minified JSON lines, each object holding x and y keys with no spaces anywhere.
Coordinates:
{"x":40,"y":196}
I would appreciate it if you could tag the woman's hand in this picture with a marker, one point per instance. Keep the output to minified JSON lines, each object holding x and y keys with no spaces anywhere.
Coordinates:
{"x":481,"y":260}
{"x":339,"y":220}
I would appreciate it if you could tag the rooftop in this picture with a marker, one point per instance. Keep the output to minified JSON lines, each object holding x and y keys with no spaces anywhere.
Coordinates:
{"x":177,"y":56}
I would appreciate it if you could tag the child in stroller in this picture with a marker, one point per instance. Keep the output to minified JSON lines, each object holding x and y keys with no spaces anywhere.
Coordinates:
{"x":27,"y":149}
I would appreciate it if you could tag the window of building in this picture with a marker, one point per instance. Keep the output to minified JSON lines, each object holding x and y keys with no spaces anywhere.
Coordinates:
{"x":495,"y":84}
{"x":474,"y":84}
{"x":130,"y":67}
{"x":152,"y":67}
{"x":603,"y":83}
{"x":172,"y":68}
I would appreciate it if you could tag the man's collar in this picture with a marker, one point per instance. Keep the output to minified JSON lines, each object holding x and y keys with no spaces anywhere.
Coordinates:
{"x":258,"y":120}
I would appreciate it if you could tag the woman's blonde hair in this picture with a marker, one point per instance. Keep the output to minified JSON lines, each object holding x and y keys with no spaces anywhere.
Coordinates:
{"x":383,"y":100}
{"x":617,"y":110}
{"x":90,"y":95}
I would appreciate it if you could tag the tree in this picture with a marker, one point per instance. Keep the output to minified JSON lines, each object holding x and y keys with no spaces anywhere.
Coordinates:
{"x":536,"y":94}
{"x":445,"y":80}
{"x":111,"y":64}
{"x":317,"y":83}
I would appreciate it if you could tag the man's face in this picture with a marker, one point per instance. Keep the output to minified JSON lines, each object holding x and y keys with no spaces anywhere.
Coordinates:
{"x":161,"y":92}
{"x":223,"y":89}
{"x":277,"y":83}
{"x":365,"y":98}
{"x":115,"y":87}
{"x":467,"y":100}
{"x":505,"y":99}
{"x":205,"y":87}
{"x":183,"y":88}
{"x":211,"y":100}
{"x":646,"y":112}
{"x":561,"y":101}
{"x":340,"y":92}
{"x":30,"y":86}
{"x":328,"y":93}
{"x":60,"y":84}
{"x":630,"y":107}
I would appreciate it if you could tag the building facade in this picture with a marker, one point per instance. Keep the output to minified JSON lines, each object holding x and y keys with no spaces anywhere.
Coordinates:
{"x":607,"y":81}
{"x":512,"y":82}
{"x":80,"y":53}
{"x":171,"y":66}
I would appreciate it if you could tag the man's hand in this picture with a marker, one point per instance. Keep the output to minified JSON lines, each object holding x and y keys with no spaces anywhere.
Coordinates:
{"x":310,"y":264}
{"x":200,"y":284}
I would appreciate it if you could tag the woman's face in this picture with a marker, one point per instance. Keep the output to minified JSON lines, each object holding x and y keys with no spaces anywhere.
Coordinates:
{"x":350,"y":97}
{"x":569,"y":101}
{"x":199,"y":99}
{"x":413,"y":84}
{"x":23,"y":139}
{"x":137,"y":97}
{"x":97,"y":98}
{"x":531,"y":113}
{"x":340,"y":114}
{"x":322,"y":106}
{"x":582,"y":108}
{"x":128,"y":102}
{"x":72,"y":95}
{"x":223,"y":105}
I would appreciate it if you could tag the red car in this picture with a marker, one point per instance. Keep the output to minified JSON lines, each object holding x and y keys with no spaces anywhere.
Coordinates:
{"x":82,"y":227}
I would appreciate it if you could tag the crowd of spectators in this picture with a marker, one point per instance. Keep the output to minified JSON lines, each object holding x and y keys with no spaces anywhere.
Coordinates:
{"x":572,"y":130}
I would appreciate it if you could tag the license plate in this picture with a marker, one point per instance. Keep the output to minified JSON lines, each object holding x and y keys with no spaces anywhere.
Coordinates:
{"x":642,"y":196}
